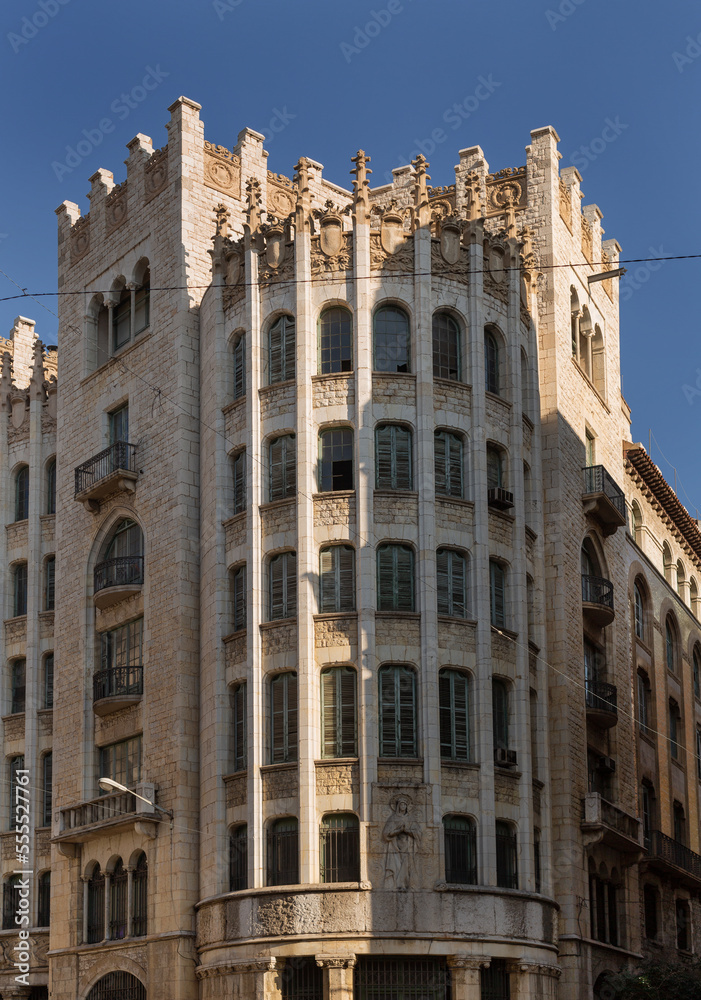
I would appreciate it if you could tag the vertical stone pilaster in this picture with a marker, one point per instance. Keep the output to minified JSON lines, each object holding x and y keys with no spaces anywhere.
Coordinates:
{"x":338,"y":978}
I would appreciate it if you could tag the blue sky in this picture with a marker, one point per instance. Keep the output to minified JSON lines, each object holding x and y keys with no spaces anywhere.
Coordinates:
{"x":324,"y":77}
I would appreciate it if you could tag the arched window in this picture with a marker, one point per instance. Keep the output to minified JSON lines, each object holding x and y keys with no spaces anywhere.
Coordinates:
{"x":239,"y":363}
{"x":398,"y":737}
{"x":282,"y":590}
{"x":335,"y":341}
{"x":19,"y":579}
{"x":44,"y":902}
{"x":451,"y":583}
{"x":240,"y":727}
{"x":500,"y":716}
{"x":338,"y":712}
{"x":282,"y":465}
{"x":18,"y":686}
{"x":118,"y":901}
{"x":283,"y":718}
{"x":507,"y":855}
{"x":281,"y":350}
{"x":460,"y":837}
{"x":454,"y":714}
{"x":51,"y":487}
{"x":497,"y":594}
{"x":49,"y":583}
{"x":239,"y":597}
{"x":491,"y":363}
{"x":340,"y":848}
{"x":96,"y":906}
{"x":22,"y":493}
{"x":283,"y":852}
{"x":118,"y":986}
{"x":446,"y":347}
{"x":670,"y":634}
{"x":139,"y":916}
{"x":336,"y":460}
{"x":393,"y":458}
{"x":639,"y":612}
{"x":395,"y":578}
{"x":391,"y":346}
{"x":238,"y":858}
{"x":337,"y":579}
{"x":47,"y":788}
{"x":238,"y":473}
{"x":448,"y":464}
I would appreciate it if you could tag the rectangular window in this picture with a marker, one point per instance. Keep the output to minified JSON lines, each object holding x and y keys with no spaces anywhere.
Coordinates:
{"x":19,"y":686}
{"x":393,"y":458}
{"x":50,"y":583}
{"x":238,"y":586}
{"x":16,"y":765}
{"x":454,"y":715}
{"x":119,"y":424}
{"x":240,"y":727}
{"x":283,"y":718}
{"x":49,"y":680}
{"x":337,"y":579}
{"x":338,"y":711}
{"x":122,"y":762}
{"x":239,"y":484}
{"x":47,"y":788}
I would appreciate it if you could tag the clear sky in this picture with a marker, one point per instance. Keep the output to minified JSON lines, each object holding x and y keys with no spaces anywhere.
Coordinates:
{"x":620,"y":81}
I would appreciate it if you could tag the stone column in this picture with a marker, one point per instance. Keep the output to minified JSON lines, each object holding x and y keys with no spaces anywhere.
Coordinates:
{"x":465,"y":972}
{"x":338,"y":980}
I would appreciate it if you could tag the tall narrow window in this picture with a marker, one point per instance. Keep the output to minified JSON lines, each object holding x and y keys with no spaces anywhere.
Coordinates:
{"x":448,"y":464}
{"x":48,"y":681}
{"x":283,"y":586}
{"x":119,"y":424}
{"x":336,"y":460}
{"x":238,"y":597}
{"x":500,"y":714}
{"x":283,"y":718}
{"x":50,"y":583}
{"x":507,"y":853}
{"x":44,"y":907}
{"x":391,"y":340}
{"x":491,"y":363}
{"x":639,"y":612}
{"x":395,"y":578}
{"x":238,"y":858}
{"x":22,"y":493}
{"x":118,"y":902}
{"x":446,"y":347}
{"x":338,"y":713}
{"x":454,"y":714}
{"x":18,"y":672}
{"x":282,"y":464}
{"x":337,"y":579}
{"x":451,"y":581}
{"x":281,"y":350}
{"x":19,"y":603}
{"x":340,"y":848}
{"x":497,"y":594}
{"x":240,"y":741}
{"x":239,"y":361}
{"x":393,"y":458}
{"x":460,"y":837}
{"x":96,"y":906}
{"x":140,"y":900}
{"x":283,"y":852}
{"x":47,"y":788}
{"x":495,"y":468}
{"x":51,"y":487}
{"x":239,"y":483}
{"x":122,"y":762}
{"x":16,"y":765}
{"x":335,"y":341}
{"x":670,"y":645}
{"x":397,"y":712}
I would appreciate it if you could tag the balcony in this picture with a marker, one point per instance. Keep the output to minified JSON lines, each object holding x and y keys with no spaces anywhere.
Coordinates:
{"x":602,"y":704}
{"x":597,"y":600}
{"x":116,"y":579}
{"x":499,"y":498}
{"x":673,"y":859}
{"x":603,"y":822}
{"x":115,"y":688}
{"x":116,"y":812}
{"x":109,"y":471}
{"x":603,"y":499}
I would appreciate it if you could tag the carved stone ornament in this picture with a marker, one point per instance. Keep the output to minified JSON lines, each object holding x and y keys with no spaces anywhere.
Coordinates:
{"x":402,"y":838}
{"x":156,"y":172}
{"x":222,"y":170}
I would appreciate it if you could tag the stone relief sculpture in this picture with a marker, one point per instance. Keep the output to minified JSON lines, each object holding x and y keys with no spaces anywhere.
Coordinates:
{"x":402,"y":837}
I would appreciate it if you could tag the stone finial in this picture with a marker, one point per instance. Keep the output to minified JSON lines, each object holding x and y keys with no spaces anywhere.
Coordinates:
{"x":422,"y":213}
{"x":253,"y":211}
{"x":473,"y":190}
{"x":361,"y":185}
{"x":304,"y":204}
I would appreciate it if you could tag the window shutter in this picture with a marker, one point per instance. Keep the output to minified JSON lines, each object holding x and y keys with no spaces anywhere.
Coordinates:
{"x":383,"y":458}
{"x":346,"y":696}
{"x":443,"y":581}
{"x":240,"y":368}
{"x":388,"y":714}
{"x":403,"y":478}
{"x":240,"y":482}
{"x":445,"y":713}
{"x":327,"y":580}
{"x":240,"y":727}
{"x":404,"y":578}
{"x":407,"y":713}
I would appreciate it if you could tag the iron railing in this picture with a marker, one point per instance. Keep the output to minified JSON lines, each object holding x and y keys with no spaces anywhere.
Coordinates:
{"x":116,"y":681}
{"x":120,"y":572}
{"x":660,"y":846}
{"x":602,"y":697}
{"x":598,"y":480}
{"x":596,"y":590}
{"x":340,"y":855}
{"x":401,"y":979}
{"x":98,"y":810}
{"x":120,"y":455}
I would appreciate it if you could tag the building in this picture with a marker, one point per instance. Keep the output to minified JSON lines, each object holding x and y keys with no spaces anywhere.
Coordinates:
{"x":346,"y":590}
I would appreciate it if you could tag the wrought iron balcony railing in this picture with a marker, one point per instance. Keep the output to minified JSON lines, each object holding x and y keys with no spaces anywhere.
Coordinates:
{"x":120,"y":457}
{"x":602,"y":697}
{"x":116,"y":682}
{"x":124,"y":571}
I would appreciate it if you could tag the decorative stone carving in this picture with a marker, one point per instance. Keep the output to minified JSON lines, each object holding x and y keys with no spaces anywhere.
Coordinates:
{"x":222,"y":170}
{"x":156,"y":172}
{"x":403,"y":838}
{"x":116,"y":207}
{"x":80,"y":238}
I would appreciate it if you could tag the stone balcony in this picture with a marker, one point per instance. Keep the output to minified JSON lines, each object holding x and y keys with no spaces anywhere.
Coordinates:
{"x":603,"y":822}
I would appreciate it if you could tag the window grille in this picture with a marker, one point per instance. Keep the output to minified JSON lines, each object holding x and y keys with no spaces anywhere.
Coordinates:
{"x":19,"y":686}
{"x":491,"y":364}
{"x":44,"y":907}
{"x":454,"y":714}
{"x":301,"y":979}
{"x":51,"y":487}
{"x":96,"y":906}
{"x":340,"y":848}
{"x":494,"y":981}
{"x":336,"y":460}
{"x":283,"y":852}
{"x":446,"y":347}
{"x":239,"y":481}
{"x":395,"y":578}
{"x":118,"y":986}
{"x":238,"y":698}
{"x":122,"y":762}
{"x":393,"y":458}
{"x":460,"y":850}
{"x":497,"y":594}
{"x":47,"y":788}
{"x":391,"y":346}
{"x":507,"y":869}
{"x":283,"y":586}
{"x":240,"y":368}
{"x":397,"y":712}
{"x":335,"y":342}
{"x":448,"y":464}
{"x":238,"y":586}
{"x":283,"y":718}
{"x":401,"y":979}
{"x":238,"y":858}
{"x":50,"y":583}
{"x":22,"y":494}
{"x":451,"y":582}
{"x":337,"y":579}
{"x":140,"y":897}
{"x":10,"y":902}
{"x":282,"y":350}
{"x":118,"y":902}
{"x":282,"y":460}
{"x":16,"y":765}
{"x":339,"y":713}
{"x":20,"y":590}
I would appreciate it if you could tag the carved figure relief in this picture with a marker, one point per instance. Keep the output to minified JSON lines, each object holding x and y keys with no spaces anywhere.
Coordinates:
{"x":402,"y":838}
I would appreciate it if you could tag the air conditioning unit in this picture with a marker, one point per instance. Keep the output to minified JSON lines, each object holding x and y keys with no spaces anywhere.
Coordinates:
{"x":504,"y":757}
{"x":606,"y":765}
{"x":499,"y":498}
